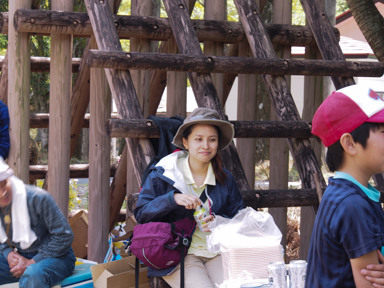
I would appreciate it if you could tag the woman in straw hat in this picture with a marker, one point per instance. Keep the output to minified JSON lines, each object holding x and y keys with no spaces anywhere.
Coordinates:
{"x":172,"y":190}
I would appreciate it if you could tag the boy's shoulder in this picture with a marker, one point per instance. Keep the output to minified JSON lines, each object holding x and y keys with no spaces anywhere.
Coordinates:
{"x":339,"y":189}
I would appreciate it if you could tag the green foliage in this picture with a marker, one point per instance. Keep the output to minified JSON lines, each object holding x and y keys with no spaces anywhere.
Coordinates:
{"x":232,"y":14}
{"x":125,"y":8}
{"x":341,"y":7}
{"x":298,"y":15}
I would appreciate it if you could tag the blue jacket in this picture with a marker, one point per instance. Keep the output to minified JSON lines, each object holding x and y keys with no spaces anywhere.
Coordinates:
{"x":156,"y":201}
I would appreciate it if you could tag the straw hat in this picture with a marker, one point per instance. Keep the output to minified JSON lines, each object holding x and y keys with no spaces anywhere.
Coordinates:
{"x":5,"y":170}
{"x":206,"y":116}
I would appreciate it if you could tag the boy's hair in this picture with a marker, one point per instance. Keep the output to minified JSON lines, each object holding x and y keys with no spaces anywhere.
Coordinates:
{"x":335,"y":152}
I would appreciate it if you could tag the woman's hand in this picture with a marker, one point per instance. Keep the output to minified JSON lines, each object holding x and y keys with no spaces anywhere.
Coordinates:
{"x":188,"y":201}
{"x":207,"y":220}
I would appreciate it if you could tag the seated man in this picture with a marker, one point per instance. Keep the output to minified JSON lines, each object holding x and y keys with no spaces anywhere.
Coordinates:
{"x":35,"y":236}
{"x":4,"y":133}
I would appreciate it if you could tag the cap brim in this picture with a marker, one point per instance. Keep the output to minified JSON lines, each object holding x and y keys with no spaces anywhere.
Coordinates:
{"x":377,"y":118}
{"x":226,"y":129}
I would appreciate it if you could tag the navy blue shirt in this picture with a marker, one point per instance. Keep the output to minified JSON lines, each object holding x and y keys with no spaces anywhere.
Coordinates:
{"x":4,"y":133}
{"x":348,"y":225}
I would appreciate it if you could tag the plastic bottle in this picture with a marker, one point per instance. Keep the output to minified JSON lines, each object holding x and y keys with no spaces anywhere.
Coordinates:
{"x":199,"y":214}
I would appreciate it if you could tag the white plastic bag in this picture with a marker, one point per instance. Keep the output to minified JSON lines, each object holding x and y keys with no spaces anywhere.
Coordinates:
{"x":247,"y":243}
{"x":247,"y":222}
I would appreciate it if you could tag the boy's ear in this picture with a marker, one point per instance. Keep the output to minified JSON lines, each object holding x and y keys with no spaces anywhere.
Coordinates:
{"x":348,"y":144}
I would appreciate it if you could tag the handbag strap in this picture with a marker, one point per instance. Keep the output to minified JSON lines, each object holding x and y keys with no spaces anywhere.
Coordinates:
{"x":203,"y":196}
{"x":137,"y":264}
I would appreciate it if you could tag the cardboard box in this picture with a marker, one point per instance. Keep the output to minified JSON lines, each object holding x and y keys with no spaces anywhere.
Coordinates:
{"x":125,"y":232}
{"x":79,"y":225}
{"x":119,"y":274}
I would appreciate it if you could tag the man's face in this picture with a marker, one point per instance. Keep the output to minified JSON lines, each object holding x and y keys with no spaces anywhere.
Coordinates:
{"x":5,"y":193}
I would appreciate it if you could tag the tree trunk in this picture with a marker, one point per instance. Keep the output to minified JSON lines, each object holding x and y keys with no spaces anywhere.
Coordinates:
{"x":371,"y":23}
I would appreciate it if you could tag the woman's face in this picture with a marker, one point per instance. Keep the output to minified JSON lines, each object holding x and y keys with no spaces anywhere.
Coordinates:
{"x":202,"y":143}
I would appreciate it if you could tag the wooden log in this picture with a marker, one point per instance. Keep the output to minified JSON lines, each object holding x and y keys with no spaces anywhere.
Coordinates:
{"x":4,"y":79}
{"x":4,"y":21}
{"x":79,"y":103}
{"x":215,"y":10}
{"x":155,"y":28}
{"x":270,"y":198}
{"x":75,"y":171}
{"x":145,"y":128}
{"x":41,"y":120}
{"x":159,"y":78}
{"x":282,"y":99}
{"x":202,"y":85}
{"x":248,"y":93}
{"x":80,"y":99}
{"x":19,"y":74}
{"x":176,"y":88}
{"x":121,"y":85}
{"x":118,"y":189}
{"x":313,"y":97}
{"x":278,"y":148}
{"x":99,"y":159}
{"x":60,"y":111}
{"x":325,"y":38}
{"x":42,"y":64}
{"x":232,"y":65}
{"x":140,"y":78}
{"x":229,"y":79}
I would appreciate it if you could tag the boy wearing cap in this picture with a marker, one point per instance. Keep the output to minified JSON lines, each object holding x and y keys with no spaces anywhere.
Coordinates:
{"x":349,"y":226}
{"x":35,"y":237}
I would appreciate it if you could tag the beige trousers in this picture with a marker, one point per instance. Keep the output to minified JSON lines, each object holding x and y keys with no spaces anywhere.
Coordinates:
{"x":199,"y":272}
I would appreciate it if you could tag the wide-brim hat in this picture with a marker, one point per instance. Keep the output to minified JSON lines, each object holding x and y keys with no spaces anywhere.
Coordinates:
{"x":206,"y":116}
{"x":345,"y":110}
{"x":5,"y":170}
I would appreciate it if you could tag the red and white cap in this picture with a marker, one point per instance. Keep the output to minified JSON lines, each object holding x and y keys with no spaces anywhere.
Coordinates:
{"x":345,"y":110}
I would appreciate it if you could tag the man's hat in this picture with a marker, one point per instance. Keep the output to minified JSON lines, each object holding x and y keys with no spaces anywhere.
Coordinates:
{"x":5,"y":170}
{"x":345,"y":110}
{"x":206,"y":116}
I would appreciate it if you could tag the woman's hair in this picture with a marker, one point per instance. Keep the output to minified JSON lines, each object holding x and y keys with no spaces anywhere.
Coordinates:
{"x":217,"y":162}
{"x":335,"y":152}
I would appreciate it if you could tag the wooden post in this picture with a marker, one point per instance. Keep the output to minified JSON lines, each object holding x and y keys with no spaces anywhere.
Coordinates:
{"x":4,"y":80}
{"x":59,"y":111}
{"x":313,"y":97}
{"x":141,"y":78}
{"x":18,"y":94}
{"x":215,"y":10}
{"x":247,"y":110}
{"x":278,"y":148}
{"x":177,"y":81}
{"x":202,"y":85}
{"x":176,"y":88}
{"x":228,"y":79}
{"x":99,"y":159}
{"x":35,"y":4}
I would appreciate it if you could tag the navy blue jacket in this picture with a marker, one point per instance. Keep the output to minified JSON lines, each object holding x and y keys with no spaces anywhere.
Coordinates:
{"x":156,"y":202}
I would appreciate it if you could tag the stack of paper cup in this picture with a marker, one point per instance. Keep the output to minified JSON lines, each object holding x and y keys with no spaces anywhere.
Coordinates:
{"x":251,"y":255}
